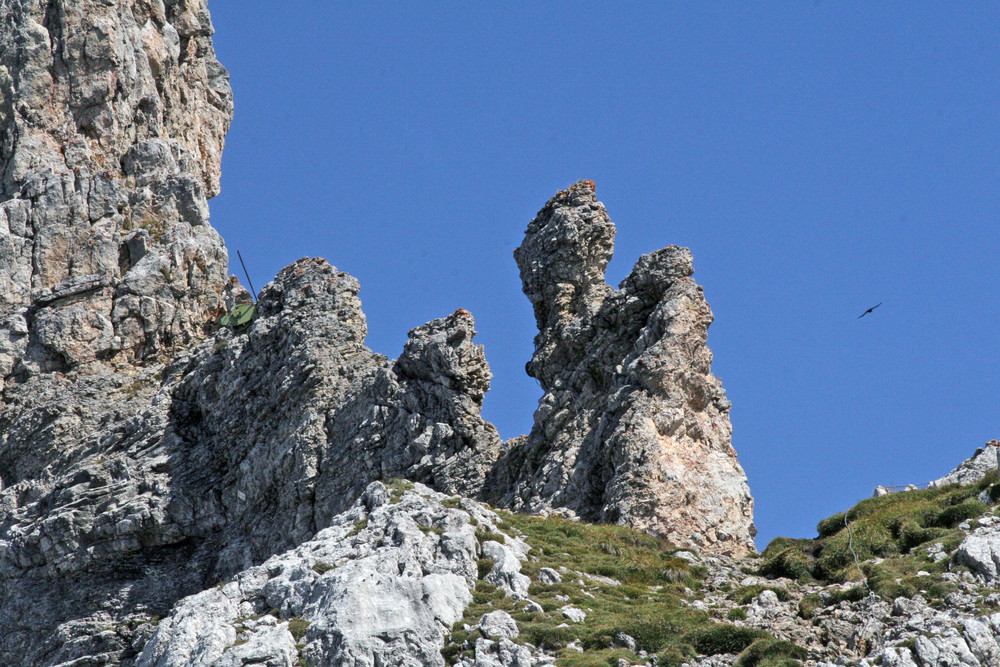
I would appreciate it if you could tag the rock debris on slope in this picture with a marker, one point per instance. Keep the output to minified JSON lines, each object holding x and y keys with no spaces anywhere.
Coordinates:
{"x":381,"y":585}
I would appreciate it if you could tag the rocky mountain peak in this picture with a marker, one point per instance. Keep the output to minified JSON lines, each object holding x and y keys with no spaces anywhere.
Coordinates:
{"x":633,"y":428}
{"x":151,"y":450}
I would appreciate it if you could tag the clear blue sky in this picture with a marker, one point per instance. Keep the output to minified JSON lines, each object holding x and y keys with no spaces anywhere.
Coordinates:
{"x":817,"y":157}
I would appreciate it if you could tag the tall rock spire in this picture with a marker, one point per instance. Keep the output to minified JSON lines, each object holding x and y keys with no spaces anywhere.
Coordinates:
{"x":633,"y":428}
{"x":112,"y":121}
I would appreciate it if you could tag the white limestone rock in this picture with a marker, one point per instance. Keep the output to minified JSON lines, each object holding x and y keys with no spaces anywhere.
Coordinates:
{"x":547,"y":575}
{"x":980,"y":551}
{"x":382,"y":585}
{"x":506,"y":571}
{"x":973,"y":469}
{"x":498,"y":624}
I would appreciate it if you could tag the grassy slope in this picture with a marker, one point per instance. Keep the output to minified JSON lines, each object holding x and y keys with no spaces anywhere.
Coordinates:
{"x":629,"y":582}
{"x":892,"y":533}
{"x":626,"y":582}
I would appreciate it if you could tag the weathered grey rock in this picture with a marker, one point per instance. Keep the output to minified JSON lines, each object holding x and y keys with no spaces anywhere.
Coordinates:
{"x":533,"y":607}
{"x":574,"y":614}
{"x":973,"y":469}
{"x":506,"y":571}
{"x":498,"y":624}
{"x":946,"y":650}
{"x":380,"y":586}
{"x":898,"y":656}
{"x":980,"y":637}
{"x":501,"y":653}
{"x":242,"y":448}
{"x":633,"y":427}
{"x":980,"y":551}
{"x":112,"y":121}
{"x":547,"y":575}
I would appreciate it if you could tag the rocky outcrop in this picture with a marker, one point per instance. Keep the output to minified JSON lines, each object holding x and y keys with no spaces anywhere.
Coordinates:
{"x":381,"y":585}
{"x":112,"y":120}
{"x":244,"y":447}
{"x":982,"y":462}
{"x":633,"y":428}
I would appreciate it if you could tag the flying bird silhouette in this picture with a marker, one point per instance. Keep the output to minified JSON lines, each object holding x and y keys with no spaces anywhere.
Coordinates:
{"x":869,"y":310}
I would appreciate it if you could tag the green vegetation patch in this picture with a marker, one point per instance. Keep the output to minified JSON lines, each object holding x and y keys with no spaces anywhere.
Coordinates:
{"x":623,"y":554}
{"x":322,"y":568}
{"x":624,"y":580}
{"x":772,"y":653}
{"x":297,"y":627}
{"x":359,"y":525}
{"x":724,"y":638}
{"x":891,"y":527}
{"x":397,"y":487}
{"x":737,"y":614}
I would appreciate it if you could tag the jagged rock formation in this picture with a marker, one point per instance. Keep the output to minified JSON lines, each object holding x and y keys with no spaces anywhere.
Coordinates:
{"x":985,"y":459}
{"x":148,"y":453}
{"x":633,"y":427}
{"x":244,"y":447}
{"x":137,"y":466}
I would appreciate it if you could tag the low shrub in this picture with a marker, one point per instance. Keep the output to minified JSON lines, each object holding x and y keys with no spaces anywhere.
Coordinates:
{"x":772,"y":653}
{"x":791,"y":559}
{"x":724,"y":638}
{"x":809,"y":604}
{"x":950,"y":517}
{"x":853,"y":594}
{"x":831,"y":525}
{"x":737,"y":614}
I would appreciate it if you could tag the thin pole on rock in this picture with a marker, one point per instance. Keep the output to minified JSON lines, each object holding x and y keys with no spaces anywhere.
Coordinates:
{"x":253,"y":292}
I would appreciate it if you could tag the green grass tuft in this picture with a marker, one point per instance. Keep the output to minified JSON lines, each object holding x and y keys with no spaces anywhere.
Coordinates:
{"x":724,"y":638}
{"x":297,"y":627}
{"x":737,"y":614}
{"x":772,"y":653}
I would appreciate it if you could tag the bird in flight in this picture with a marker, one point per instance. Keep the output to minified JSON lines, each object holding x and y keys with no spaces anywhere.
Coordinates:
{"x":869,"y":310}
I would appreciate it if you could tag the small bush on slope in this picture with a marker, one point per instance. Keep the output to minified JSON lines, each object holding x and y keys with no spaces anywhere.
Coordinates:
{"x":772,"y":653}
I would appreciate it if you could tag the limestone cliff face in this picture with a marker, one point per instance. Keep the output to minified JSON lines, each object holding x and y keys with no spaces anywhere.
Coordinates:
{"x":633,"y":427}
{"x":141,"y":489}
{"x":146,"y":452}
{"x":112,"y":120}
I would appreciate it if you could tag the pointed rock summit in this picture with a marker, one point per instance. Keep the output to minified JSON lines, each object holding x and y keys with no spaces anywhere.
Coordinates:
{"x":633,"y":428}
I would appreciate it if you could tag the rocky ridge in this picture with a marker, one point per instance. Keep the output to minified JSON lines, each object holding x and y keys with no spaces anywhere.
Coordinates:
{"x":147,"y":452}
{"x":112,"y":121}
{"x":155,"y":463}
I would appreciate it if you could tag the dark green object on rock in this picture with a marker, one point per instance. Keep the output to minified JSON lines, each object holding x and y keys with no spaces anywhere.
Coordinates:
{"x":240,"y":316}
